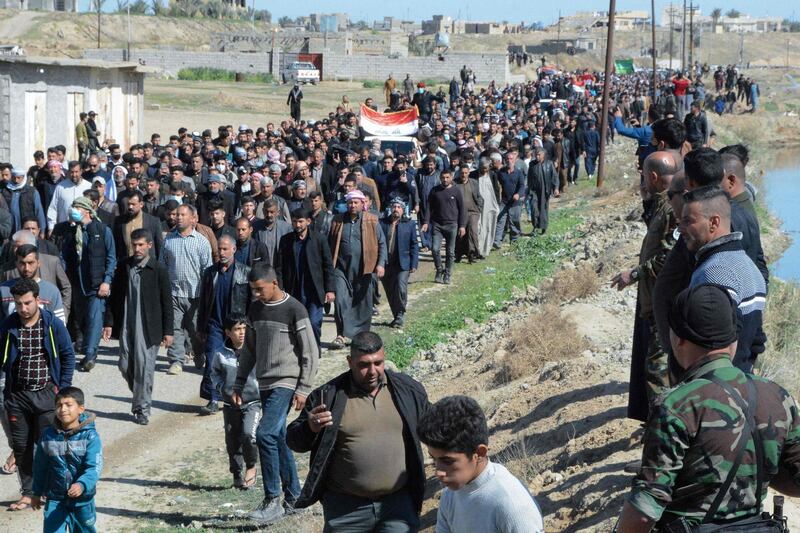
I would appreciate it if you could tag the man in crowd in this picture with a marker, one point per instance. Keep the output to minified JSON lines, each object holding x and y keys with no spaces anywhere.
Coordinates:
{"x":186,"y":254}
{"x":359,"y":251}
{"x":217,"y":222}
{"x":23,"y":200}
{"x":38,"y":361}
{"x":28,"y":267}
{"x":140,"y":316}
{"x":271,"y":229}
{"x":248,"y":250}
{"x":446,"y":214}
{"x":66,"y":192}
{"x":224,"y":290}
{"x":706,"y":225}
{"x":280,"y":346}
{"x":702,"y":436}
{"x":216,"y":192}
{"x":89,"y":254}
{"x":649,"y":371}
{"x":402,"y":259}
{"x":136,"y":218}
{"x":367,"y":467}
{"x":542,"y":183}
{"x":512,"y":188}
{"x":305,"y":268}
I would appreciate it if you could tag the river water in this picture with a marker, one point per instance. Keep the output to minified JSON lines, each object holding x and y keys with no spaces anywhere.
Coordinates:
{"x":782,"y":183}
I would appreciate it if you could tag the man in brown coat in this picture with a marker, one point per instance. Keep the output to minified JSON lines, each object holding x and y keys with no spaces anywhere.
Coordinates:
{"x":359,"y":252}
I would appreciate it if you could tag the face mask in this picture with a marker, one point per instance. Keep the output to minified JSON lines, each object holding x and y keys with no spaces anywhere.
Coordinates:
{"x":103,"y":166}
{"x":446,"y":137}
{"x":75,"y":215}
{"x":178,"y":199}
{"x":221,"y":168}
{"x":420,"y":91}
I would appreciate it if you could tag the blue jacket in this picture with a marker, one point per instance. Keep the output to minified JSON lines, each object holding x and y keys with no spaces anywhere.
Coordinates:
{"x":407,"y":255}
{"x":57,"y":346}
{"x":62,"y":458}
{"x":642,"y":135}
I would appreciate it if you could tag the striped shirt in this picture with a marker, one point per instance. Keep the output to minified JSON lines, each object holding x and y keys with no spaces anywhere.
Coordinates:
{"x":186,"y":257}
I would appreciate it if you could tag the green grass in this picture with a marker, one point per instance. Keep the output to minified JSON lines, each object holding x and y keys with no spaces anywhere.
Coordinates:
{"x":217,"y":74}
{"x":771,"y":107}
{"x":372,"y":84}
{"x":480,"y":290}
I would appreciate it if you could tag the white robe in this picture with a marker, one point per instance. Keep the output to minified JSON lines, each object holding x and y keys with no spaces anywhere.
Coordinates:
{"x":488,"y":223}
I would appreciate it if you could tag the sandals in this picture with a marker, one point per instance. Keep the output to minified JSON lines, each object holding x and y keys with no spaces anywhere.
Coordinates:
{"x":340,"y":342}
{"x":10,"y":466}
{"x":21,"y":505}
{"x":246,"y":483}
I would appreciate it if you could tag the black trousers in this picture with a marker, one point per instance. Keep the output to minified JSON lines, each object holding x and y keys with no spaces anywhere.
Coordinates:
{"x":241,"y":424}
{"x":395,"y":284}
{"x":29,"y":414}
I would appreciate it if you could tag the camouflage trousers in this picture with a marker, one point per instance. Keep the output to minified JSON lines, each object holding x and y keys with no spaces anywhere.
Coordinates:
{"x":656,"y":367}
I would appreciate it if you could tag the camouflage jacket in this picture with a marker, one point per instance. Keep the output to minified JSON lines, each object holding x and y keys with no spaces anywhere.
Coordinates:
{"x":691,"y":442}
{"x":658,"y":241}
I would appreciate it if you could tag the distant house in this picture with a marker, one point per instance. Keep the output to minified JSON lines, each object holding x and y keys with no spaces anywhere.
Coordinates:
{"x":43,"y":5}
{"x":48,"y":94}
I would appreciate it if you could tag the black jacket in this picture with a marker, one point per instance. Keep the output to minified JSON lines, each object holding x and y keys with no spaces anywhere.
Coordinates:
{"x":228,"y":202}
{"x":409,"y":397}
{"x":156,"y":294}
{"x":318,"y":260}
{"x":256,"y":252}
{"x":240,"y":294}
{"x":321,"y":223}
{"x":150,"y":223}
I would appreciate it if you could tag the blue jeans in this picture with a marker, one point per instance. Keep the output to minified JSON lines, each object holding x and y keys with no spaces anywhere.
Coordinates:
{"x":316,"y":312}
{"x":215,"y":339}
{"x":91,"y":323}
{"x":62,"y":514}
{"x":591,"y":161}
{"x":277,"y":462}
{"x":510,"y":215}
{"x":575,"y":168}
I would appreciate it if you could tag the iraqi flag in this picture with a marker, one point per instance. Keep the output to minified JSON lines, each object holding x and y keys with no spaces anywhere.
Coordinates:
{"x":397,"y":123}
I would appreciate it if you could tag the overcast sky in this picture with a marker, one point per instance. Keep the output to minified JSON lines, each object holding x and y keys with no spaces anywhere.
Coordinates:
{"x":496,"y":10}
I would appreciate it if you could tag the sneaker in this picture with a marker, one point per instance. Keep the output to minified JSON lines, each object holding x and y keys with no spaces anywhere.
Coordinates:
{"x":140,"y":419}
{"x":86,"y":366}
{"x":174,"y":369}
{"x":211,"y":408}
{"x":439,"y":277}
{"x":446,"y":279}
{"x":269,"y":511}
{"x":199,"y":360}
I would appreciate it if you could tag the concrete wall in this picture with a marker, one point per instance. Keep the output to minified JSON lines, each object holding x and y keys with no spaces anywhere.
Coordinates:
{"x":171,"y":61}
{"x":487,"y":67}
{"x":48,"y":98}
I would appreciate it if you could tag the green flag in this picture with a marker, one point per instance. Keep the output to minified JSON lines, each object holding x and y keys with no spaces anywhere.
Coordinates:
{"x":623,"y":66}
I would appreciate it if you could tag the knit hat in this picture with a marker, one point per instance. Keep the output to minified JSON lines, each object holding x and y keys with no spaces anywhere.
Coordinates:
{"x":704,"y":315}
{"x":397,"y":201}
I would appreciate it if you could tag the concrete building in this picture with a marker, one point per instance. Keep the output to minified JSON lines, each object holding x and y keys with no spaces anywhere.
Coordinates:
{"x":586,"y":20}
{"x":48,"y":94}
{"x":705,"y":23}
{"x":42,"y":5}
{"x":327,"y":22}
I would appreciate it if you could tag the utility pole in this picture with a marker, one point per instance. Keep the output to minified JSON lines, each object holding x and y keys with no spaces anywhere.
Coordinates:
{"x":558,"y":45}
{"x":128,"y":58}
{"x":691,"y":37}
{"x":97,"y":5}
{"x":683,"y":39}
{"x":741,"y":48}
{"x":601,"y":168}
{"x":671,"y":32}
{"x":653,"y":31}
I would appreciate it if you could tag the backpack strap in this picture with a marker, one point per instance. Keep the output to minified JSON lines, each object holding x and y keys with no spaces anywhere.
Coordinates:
{"x":749,"y":429}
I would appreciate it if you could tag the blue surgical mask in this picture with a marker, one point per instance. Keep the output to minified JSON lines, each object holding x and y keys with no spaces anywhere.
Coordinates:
{"x":75,"y":215}
{"x":103,"y":166}
{"x":178,"y":199}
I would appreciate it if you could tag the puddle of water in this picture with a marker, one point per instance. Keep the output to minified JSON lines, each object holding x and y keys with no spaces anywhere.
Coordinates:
{"x":783,"y":195}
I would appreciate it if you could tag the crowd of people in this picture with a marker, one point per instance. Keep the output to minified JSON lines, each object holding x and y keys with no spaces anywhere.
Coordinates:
{"x":228,"y":247}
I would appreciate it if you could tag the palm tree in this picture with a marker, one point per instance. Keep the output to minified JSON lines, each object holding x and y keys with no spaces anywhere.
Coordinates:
{"x":733,"y":13}
{"x":715,"y":16}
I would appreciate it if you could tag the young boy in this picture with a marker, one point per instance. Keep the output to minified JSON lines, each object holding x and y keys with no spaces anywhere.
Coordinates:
{"x":479,"y":495}
{"x":66,"y":466}
{"x":240,"y":421}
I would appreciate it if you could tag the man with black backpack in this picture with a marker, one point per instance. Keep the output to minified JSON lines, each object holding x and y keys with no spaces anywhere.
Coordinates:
{"x":718,"y":439}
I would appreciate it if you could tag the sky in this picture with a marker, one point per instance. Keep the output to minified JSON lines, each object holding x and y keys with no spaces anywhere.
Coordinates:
{"x":497,"y":10}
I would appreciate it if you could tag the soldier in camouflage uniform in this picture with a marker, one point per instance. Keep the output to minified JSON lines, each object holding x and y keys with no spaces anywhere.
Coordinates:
{"x":649,"y":372}
{"x":693,"y":437}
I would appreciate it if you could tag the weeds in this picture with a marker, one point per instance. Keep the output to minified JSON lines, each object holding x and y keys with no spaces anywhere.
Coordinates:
{"x":521,"y":459}
{"x":481,"y":289}
{"x":546,"y":335}
{"x":781,"y":361}
{"x":218,"y":74}
{"x":570,"y":285}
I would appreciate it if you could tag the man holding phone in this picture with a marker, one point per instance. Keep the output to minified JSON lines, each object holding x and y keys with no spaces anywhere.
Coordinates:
{"x":366,"y":464}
